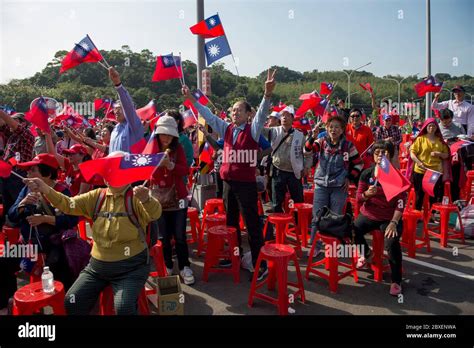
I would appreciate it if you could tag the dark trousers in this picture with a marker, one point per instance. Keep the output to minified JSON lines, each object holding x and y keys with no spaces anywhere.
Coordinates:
{"x":456,"y":172}
{"x":242,"y":196}
{"x":283,"y":182}
{"x":127,"y":278}
{"x":219,"y":184}
{"x":172,"y":225}
{"x":364,"y":225}
{"x":11,"y":188}
{"x":420,"y":194}
{"x":8,"y":285}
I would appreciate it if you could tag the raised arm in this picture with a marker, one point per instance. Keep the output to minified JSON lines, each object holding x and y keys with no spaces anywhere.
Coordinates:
{"x":10,"y":122}
{"x":439,"y":106}
{"x":259,"y":120}
{"x":129,"y":112}
{"x":217,"y":124}
{"x":52,"y":150}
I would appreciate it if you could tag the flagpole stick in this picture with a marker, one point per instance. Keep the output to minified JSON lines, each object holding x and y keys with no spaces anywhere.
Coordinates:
{"x":18,"y":175}
{"x":181,"y":65}
{"x":367,"y":149}
{"x":107,"y":63}
{"x":103,"y":65}
{"x":235,"y":65}
{"x":177,"y":70}
{"x":157,"y":166}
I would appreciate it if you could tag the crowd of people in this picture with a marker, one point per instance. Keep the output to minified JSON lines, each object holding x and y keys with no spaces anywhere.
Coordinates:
{"x":343,"y":151}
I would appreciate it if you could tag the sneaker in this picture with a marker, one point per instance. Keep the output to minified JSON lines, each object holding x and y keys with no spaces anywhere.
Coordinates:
{"x":262,"y":273}
{"x":246,"y":262}
{"x":169,"y":271}
{"x":395,"y":289}
{"x":225,"y":263}
{"x":187,"y":275}
{"x":363,"y":262}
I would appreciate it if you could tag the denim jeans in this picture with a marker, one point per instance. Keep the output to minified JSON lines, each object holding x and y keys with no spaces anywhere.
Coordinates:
{"x":332,"y":197}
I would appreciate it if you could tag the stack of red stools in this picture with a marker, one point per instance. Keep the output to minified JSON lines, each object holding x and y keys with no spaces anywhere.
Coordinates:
{"x":443,"y":231}
{"x":331,"y":262}
{"x":222,"y":243}
{"x":212,"y":215}
{"x":410,"y":217}
{"x":467,"y":193}
{"x":29,"y":299}
{"x":10,"y":235}
{"x":304,"y":213}
{"x":194,"y":223}
{"x":308,"y":195}
{"x":282,"y":222}
{"x":278,"y":257}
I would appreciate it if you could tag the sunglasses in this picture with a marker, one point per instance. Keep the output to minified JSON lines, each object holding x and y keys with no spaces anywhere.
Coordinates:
{"x":355,"y":115}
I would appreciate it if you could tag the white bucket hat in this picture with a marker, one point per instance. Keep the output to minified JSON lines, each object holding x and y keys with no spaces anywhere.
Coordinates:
{"x":167,"y":125}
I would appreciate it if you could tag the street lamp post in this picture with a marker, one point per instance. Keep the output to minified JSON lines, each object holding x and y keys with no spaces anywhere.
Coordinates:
{"x":349,"y":81}
{"x":351,"y":94}
{"x":399,"y":84}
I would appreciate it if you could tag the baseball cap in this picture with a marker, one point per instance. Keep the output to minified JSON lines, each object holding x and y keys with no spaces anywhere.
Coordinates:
{"x":458,"y":88}
{"x":290,"y":109}
{"x":42,"y":158}
{"x":275,"y":114}
{"x":76,"y":148}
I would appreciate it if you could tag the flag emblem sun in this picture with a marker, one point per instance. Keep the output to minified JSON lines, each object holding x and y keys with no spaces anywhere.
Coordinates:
{"x":214,"y":50}
{"x":141,"y":160}
{"x":212,"y":22}
{"x":166,"y":61}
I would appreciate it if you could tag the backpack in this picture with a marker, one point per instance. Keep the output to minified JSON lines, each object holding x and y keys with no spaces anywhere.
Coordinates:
{"x":130,"y":213}
{"x":467,"y":219}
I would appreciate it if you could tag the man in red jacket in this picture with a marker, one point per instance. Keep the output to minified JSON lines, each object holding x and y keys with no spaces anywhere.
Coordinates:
{"x":239,"y":164}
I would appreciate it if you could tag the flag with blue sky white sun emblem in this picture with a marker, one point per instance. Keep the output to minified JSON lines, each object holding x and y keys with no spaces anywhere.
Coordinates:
{"x":216,"y":49}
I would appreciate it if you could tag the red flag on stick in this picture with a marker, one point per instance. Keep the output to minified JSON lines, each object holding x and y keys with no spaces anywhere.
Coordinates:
{"x":83,"y":52}
{"x":392,"y":181}
{"x":167,"y":67}
{"x":210,"y":27}
{"x":38,"y":115}
{"x":429,"y":181}
{"x":5,"y":169}
{"x":147,"y":112}
{"x":429,"y":84}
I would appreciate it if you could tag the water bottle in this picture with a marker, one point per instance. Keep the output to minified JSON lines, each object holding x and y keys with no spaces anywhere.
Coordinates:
{"x":48,"y":280}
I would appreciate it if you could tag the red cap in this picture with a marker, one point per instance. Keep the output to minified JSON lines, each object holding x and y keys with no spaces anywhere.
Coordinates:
{"x":42,"y":158}
{"x":76,"y":148}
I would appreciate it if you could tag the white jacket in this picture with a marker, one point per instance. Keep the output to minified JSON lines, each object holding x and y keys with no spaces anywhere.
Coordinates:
{"x":297,"y":144}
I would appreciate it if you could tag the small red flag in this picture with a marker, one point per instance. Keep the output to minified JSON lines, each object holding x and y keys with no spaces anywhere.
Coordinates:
{"x":5,"y":169}
{"x":279,"y":107}
{"x":367,"y":87}
{"x":190,"y":105}
{"x":392,"y":181}
{"x":210,"y":27}
{"x":429,"y":181}
{"x":83,"y":52}
{"x":38,"y":115}
{"x":147,"y":112}
{"x":429,"y":84}
{"x":190,"y":118}
{"x":308,"y":104}
{"x":122,"y":169}
{"x":326,"y":88}
{"x":167,"y":67}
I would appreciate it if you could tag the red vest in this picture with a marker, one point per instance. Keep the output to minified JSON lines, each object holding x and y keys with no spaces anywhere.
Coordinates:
{"x":235,"y":163}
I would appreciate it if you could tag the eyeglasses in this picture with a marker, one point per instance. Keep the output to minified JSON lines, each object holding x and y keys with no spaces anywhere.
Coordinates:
{"x":355,"y":115}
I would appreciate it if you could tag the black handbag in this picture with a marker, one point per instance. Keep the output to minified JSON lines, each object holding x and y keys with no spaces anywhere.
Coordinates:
{"x":334,"y":225}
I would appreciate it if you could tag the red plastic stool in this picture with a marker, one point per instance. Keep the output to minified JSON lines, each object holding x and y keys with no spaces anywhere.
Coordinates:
{"x":208,"y":222}
{"x":282,"y":223}
{"x":469,"y":187}
{"x":304,"y":212}
{"x":409,"y":238}
{"x":156,"y":254}
{"x":308,"y":196}
{"x":378,"y":264}
{"x":217,"y":238}
{"x":212,"y":205}
{"x":31,"y":298}
{"x":194,"y":223}
{"x":10,"y":235}
{"x":107,"y":302}
{"x":331,"y":263}
{"x":443,"y":231}
{"x":278,"y":257}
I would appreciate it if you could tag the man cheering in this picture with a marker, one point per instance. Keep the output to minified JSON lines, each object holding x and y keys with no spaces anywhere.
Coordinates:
{"x":238,"y":169}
